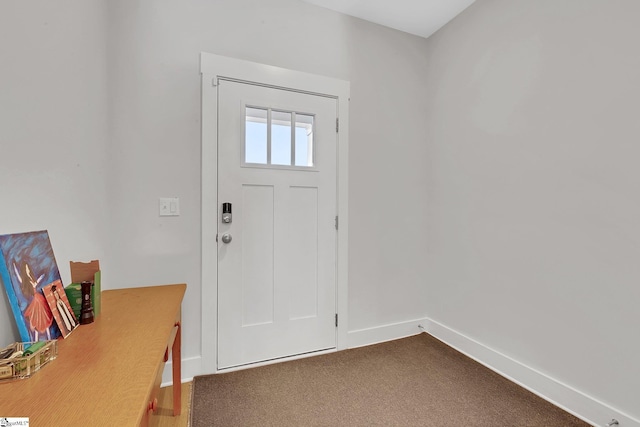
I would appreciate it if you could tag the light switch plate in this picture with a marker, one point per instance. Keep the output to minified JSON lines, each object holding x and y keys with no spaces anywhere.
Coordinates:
{"x":169,"y":206}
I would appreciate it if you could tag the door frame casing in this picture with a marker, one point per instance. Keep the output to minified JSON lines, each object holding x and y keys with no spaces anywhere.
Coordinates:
{"x":212,"y":68}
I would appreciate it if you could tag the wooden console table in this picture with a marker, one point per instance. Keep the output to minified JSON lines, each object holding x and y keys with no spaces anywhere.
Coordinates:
{"x":107,"y":372}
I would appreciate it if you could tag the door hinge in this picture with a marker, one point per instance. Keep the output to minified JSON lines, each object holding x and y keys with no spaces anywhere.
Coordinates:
{"x":336,"y":222}
{"x":337,"y":124}
{"x":336,"y":320}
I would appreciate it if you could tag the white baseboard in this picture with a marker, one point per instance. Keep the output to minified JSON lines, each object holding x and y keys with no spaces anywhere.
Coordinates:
{"x":383,"y":333}
{"x":191,"y":367}
{"x":562,"y":395}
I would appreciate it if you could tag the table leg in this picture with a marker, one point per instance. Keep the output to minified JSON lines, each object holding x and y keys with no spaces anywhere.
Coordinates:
{"x":177,"y":371}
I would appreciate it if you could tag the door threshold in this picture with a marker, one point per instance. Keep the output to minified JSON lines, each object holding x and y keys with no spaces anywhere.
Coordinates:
{"x":275,"y":360}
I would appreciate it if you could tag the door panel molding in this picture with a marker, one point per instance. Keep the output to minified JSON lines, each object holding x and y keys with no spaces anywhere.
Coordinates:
{"x":213,"y":68}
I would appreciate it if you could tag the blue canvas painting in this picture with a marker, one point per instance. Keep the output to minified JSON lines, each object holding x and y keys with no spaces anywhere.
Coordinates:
{"x":27,"y":265}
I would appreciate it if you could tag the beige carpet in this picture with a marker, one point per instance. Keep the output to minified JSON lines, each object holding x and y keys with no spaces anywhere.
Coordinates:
{"x":415,"y":381}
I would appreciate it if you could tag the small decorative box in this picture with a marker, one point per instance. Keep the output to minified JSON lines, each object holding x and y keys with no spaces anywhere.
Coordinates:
{"x":23,"y":359}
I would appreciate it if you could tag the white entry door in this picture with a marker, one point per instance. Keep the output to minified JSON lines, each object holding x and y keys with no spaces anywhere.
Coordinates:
{"x":277,"y":255}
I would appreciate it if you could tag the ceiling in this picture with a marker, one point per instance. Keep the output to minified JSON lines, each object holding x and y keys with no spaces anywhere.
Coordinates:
{"x":419,"y":17}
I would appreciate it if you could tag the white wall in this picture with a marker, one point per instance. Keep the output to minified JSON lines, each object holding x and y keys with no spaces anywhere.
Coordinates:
{"x":100,"y":116}
{"x":53,"y":130}
{"x":155,"y":146}
{"x":533,"y":178}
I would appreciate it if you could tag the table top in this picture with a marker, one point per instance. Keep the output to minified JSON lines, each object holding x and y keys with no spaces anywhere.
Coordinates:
{"x":105,"y":370}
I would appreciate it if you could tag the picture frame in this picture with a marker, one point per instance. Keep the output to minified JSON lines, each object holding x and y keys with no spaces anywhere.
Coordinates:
{"x":60,"y":308}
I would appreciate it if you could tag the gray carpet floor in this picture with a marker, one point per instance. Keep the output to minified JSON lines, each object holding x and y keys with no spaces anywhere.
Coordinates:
{"x":414,"y":381}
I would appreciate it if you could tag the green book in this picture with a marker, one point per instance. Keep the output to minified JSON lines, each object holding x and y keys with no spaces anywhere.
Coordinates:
{"x":74,"y":295}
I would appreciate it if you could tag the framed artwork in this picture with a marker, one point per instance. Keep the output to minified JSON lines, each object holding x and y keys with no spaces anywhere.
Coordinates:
{"x":60,"y":307}
{"x":27,"y":265}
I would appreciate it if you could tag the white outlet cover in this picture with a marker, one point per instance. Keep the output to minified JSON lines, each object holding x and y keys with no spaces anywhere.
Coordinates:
{"x":169,"y":206}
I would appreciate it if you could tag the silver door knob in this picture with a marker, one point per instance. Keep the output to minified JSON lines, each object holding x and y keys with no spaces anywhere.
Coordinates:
{"x":226,"y":238}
